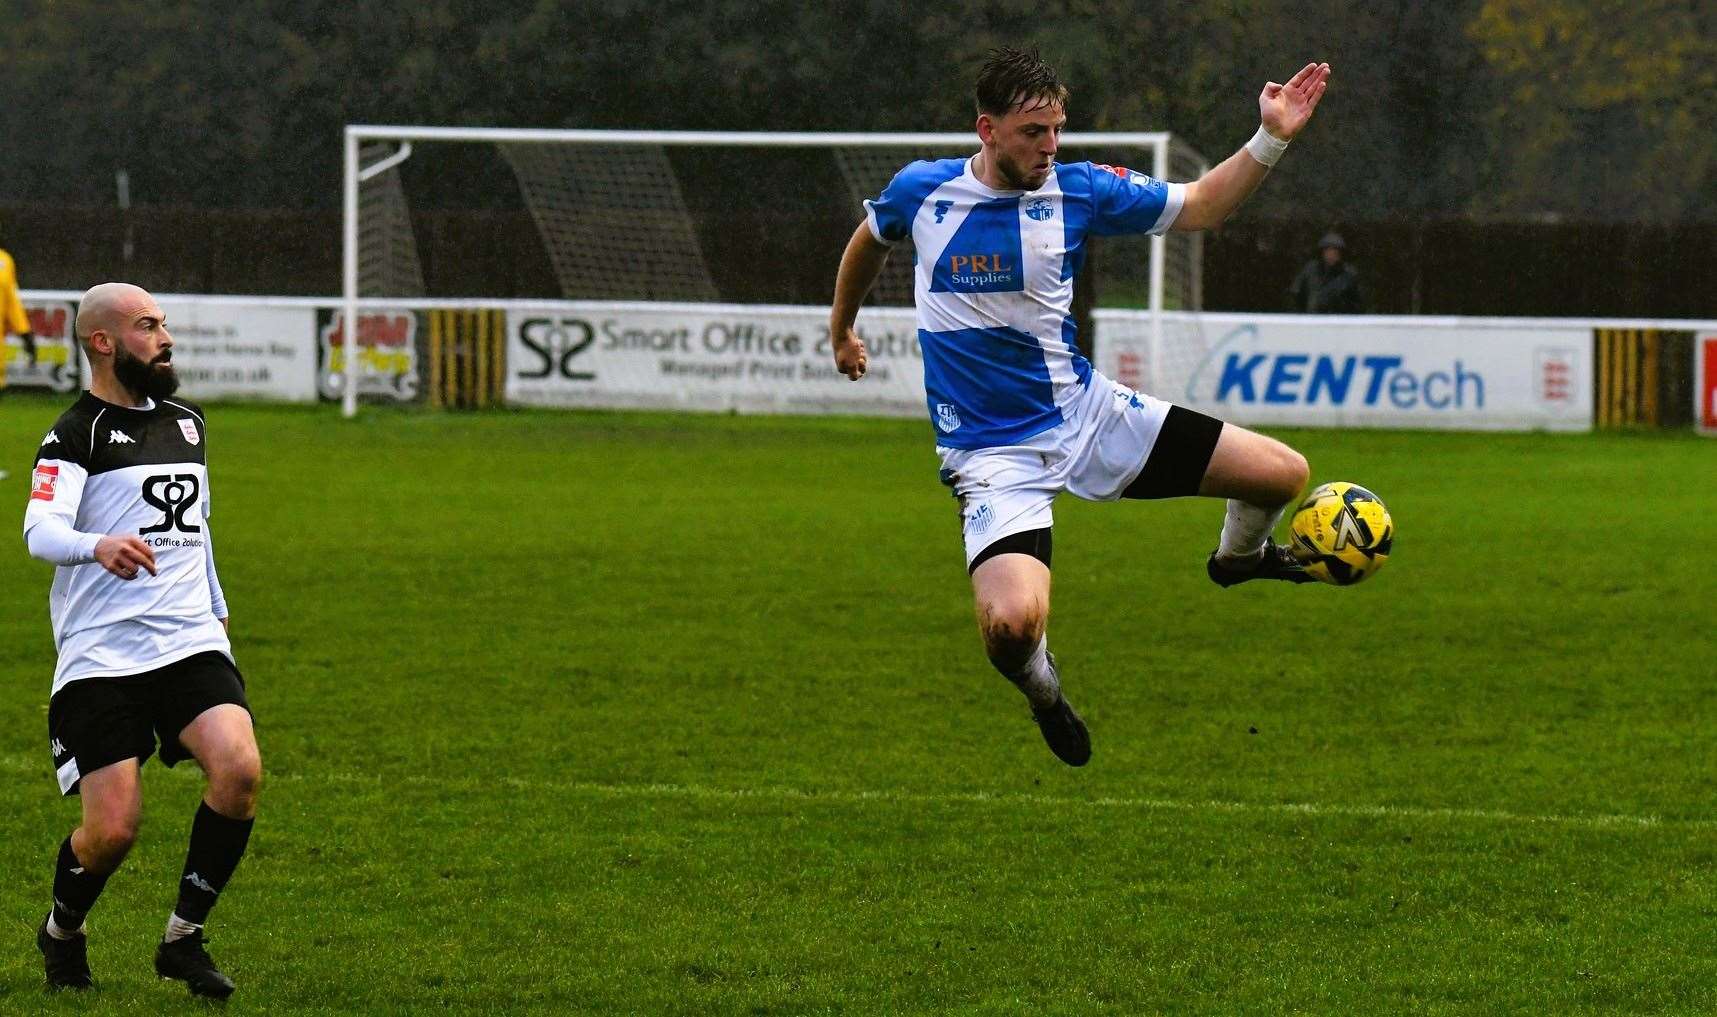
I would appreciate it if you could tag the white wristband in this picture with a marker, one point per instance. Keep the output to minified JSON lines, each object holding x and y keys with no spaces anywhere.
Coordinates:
{"x":1266,"y":147}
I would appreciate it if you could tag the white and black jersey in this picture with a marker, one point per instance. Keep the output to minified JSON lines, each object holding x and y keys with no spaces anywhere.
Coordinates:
{"x":106,"y":469}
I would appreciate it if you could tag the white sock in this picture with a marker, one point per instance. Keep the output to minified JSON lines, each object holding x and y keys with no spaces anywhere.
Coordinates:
{"x":1245,"y":529}
{"x":1037,"y":679}
{"x":178,"y":928}
{"x":55,"y":931}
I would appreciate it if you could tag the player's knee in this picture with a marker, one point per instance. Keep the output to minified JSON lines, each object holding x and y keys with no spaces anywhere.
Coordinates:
{"x":108,"y":839}
{"x":1293,"y":472}
{"x":236,"y":779}
{"x":1011,"y":633}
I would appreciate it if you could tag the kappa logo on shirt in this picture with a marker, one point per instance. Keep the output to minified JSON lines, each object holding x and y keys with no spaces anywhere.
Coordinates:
{"x":120,"y":438}
{"x":51,"y":438}
{"x":42,"y":483}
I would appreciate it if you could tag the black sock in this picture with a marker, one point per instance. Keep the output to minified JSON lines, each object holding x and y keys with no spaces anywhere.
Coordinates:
{"x":217,"y":844}
{"x":75,"y":889}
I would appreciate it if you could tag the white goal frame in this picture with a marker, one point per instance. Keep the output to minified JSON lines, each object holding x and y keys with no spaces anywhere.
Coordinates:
{"x":354,"y":174}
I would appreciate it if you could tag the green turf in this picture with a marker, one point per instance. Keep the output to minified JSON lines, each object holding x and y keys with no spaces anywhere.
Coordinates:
{"x":613,"y":713}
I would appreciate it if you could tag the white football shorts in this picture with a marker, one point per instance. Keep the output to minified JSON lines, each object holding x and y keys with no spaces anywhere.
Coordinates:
{"x":1095,"y":453}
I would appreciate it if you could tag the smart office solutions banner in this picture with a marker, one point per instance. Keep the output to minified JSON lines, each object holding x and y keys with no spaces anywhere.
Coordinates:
{"x":1488,"y":374}
{"x":708,"y":357}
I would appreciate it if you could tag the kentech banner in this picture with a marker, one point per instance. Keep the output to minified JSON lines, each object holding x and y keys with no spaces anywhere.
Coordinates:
{"x":707,"y":357}
{"x":1485,"y":374}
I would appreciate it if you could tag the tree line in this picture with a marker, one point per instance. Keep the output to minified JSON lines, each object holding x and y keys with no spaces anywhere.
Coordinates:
{"x":1520,"y":110}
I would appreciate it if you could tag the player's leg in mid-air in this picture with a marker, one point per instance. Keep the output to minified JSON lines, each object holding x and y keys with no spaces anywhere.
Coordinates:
{"x":1010,"y":590}
{"x":1191,"y":453}
{"x":1260,"y":477}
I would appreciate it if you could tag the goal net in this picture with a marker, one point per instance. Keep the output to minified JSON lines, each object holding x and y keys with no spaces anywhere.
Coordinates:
{"x":457,"y":219}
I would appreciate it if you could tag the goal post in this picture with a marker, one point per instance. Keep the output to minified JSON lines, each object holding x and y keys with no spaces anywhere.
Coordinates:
{"x":697,"y":217}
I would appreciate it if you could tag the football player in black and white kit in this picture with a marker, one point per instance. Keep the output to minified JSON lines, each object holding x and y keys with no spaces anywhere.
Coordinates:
{"x":119,"y":500}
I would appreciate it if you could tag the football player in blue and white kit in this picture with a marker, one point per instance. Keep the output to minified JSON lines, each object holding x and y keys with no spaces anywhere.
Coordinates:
{"x":1019,"y":414}
{"x":119,"y":502}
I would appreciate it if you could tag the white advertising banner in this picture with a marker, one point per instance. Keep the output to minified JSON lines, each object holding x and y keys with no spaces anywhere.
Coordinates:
{"x":707,"y":357}
{"x":387,"y":352}
{"x":238,"y":350}
{"x":56,"y":362}
{"x":1487,"y":374}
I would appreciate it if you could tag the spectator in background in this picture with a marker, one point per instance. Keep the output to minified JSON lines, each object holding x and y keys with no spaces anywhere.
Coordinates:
{"x":1328,"y":284}
{"x":13,"y":320}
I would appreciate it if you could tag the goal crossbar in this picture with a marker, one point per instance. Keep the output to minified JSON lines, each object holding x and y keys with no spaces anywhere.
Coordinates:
{"x":759,"y":139}
{"x":1157,"y":142}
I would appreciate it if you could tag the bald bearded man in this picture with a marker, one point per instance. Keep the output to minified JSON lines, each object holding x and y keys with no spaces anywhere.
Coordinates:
{"x":119,"y":501}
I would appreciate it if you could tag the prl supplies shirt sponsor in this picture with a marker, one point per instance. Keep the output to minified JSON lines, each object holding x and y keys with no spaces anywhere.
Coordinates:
{"x":107,"y":469}
{"x":994,"y":286}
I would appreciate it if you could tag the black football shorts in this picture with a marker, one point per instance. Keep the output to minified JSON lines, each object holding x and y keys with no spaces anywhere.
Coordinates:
{"x":96,"y":722}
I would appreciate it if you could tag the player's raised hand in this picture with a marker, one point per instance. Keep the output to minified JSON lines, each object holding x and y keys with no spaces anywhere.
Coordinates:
{"x":1285,"y":109}
{"x":850,"y":356}
{"x":124,"y":555}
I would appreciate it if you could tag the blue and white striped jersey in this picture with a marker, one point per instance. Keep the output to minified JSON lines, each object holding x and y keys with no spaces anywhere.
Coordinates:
{"x":994,"y":286}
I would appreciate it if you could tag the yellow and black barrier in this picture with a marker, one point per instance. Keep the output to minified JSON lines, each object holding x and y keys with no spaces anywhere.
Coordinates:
{"x":1643,"y":378}
{"x":1629,"y":363}
{"x":467,"y":354}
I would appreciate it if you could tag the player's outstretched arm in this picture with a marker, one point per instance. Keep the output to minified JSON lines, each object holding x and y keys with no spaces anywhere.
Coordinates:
{"x":860,"y":265}
{"x":1283,"y":111}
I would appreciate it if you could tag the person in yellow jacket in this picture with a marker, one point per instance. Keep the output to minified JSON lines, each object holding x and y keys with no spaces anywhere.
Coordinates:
{"x":13,"y":320}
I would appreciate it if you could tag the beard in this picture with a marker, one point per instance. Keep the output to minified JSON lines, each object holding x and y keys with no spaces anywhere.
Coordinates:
{"x":155,"y":380}
{"x":1020,"y":177}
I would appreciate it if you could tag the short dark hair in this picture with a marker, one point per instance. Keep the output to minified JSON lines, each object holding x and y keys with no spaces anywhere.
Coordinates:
{"x":1013,"y":78}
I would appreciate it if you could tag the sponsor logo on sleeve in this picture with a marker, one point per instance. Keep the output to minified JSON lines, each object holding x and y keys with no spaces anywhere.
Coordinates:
{"x":42,"y":483}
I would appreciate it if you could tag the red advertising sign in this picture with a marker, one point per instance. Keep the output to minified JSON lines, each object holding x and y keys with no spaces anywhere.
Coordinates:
{"x":1705,"y":382}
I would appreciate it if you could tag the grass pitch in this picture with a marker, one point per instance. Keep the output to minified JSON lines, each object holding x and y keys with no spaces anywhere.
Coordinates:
{"x":613,"y":713}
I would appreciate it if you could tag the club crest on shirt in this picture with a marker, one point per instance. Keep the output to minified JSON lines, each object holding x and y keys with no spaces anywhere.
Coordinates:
{"x":1040,"y":209}
{"x":947,"y":418}
{"x":189,"y":430}
{"x":980,"y":519}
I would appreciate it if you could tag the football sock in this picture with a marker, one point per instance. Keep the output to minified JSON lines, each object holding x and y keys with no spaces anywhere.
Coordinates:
{"x":217,"y":844}
{"x":1245,"y":529}
{"x":178,"y":928}
{"x":75,"y":891}
{"x":1037,"y":679}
